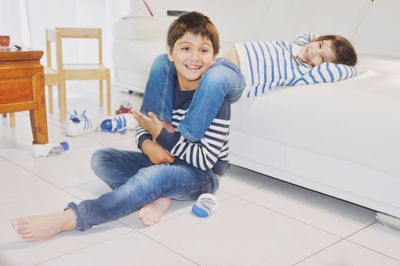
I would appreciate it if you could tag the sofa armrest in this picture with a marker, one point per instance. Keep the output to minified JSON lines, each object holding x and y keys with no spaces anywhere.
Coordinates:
{"x":142,"y":28}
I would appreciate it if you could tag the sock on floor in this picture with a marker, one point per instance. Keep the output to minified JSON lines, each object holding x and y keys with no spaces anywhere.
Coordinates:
{"x":49,"y":149}
{"x":206,"y":204}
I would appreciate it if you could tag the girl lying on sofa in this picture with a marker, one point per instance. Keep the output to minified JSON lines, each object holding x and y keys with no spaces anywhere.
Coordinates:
{"x":263,"y":65}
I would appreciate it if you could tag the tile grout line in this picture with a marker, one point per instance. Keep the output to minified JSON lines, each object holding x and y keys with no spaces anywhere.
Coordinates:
{"x":172,"y":250}
{"x":290,"y":217}
{"x":340,"y":240}
{"x":369,"y":248}
{"x":86,"y":247}
{"x":319,"y":251}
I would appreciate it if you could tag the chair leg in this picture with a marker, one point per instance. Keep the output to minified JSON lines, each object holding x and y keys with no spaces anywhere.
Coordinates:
{"x":50,"y":97}
{"x":12,"y":119}
{"x":108,"y":94}
{"x":62,"y":100}
{"x":101,"y":97}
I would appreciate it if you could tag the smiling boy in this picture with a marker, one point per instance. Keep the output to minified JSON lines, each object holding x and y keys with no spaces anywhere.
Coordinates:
{"x":169,"y":166}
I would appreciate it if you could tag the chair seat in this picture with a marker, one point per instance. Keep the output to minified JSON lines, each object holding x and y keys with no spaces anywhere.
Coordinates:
{"x":81,"y":67}
{"x":86,"y":72}
{"x":49,"y":70}
{"x":50,"y":76}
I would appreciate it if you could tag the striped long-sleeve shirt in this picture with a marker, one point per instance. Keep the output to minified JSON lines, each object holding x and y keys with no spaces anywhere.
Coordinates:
{"x":266,"y":65}
{"x":210,"y":152}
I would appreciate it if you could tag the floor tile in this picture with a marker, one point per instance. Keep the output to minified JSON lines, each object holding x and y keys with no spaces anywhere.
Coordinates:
{"x":240,"y":233}
{"x":237,"y":180}
{"x":19,"y":253}
{"x":18,"y":183}
{"x":380,"y":238}
{"x":68,"y":169}
{"x":346,"y":253}
{"x":260,"y":220}
{"x":122,"y":143}
{"x":327,"y":213}
{"x":107,"y":138}
{"x":133,"y":249}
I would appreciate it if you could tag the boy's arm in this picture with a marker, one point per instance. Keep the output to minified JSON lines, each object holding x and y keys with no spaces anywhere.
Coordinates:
{"x":326,"y":73}
{"x":156,"y":153}
{"x":153,"y":150}
{"x":202,"y":154}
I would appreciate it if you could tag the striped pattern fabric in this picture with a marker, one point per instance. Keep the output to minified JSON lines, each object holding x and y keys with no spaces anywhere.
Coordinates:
{"x":212,"y":147}
{"x":210,"y":152}
{"x":266,"y":65}
{"x":141,"y":135}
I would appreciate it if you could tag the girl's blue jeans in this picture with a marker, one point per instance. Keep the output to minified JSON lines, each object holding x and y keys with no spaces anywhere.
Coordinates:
{"x":136,"y":182}
{"x":223,"y":79}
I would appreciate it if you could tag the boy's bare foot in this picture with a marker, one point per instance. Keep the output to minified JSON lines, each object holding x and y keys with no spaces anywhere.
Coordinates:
{"x":152,"y":213}
{"x":34,"y":228}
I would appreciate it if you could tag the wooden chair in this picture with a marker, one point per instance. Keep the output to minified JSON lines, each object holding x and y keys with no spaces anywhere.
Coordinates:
{"x":82,"y":71}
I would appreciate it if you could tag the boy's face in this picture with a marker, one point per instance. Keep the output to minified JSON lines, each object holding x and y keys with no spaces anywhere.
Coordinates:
{"x":192,"y":55}
{"x":316,"y":53}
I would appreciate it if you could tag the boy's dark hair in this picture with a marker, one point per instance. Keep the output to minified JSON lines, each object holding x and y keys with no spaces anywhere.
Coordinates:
{"x":195,"y":23}
{"x":343,"y":49}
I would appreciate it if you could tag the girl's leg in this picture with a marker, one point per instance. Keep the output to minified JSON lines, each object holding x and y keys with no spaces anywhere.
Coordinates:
{"x":159,"y":89}
{"x":222,"y":80}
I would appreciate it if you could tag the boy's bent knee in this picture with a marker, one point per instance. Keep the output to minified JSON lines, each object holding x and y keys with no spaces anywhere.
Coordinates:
{"x":100,"y":156}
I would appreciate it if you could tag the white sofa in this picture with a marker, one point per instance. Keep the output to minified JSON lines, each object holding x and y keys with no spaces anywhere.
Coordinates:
{"x":340,"y":139}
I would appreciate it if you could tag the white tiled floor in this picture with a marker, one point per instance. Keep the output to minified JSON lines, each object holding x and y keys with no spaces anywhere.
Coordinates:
{"x":260,"y":220}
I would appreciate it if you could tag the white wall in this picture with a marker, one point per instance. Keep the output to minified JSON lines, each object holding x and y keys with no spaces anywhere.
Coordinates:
{"x":9,"y":21}
{"x":42,"y":14}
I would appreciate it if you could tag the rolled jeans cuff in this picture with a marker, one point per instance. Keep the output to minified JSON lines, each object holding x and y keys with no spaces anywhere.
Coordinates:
{"x":79,"y":223}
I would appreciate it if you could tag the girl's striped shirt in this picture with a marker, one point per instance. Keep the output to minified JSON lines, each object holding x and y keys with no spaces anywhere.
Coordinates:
{"x":266,"y":65}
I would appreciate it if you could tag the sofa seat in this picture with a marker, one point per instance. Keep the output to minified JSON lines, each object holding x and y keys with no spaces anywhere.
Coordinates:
{"x":344,"y":135}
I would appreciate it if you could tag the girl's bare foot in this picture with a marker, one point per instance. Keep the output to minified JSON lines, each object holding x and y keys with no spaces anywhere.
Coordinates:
{"x":34,"y":228}
{"x":152,"y":213}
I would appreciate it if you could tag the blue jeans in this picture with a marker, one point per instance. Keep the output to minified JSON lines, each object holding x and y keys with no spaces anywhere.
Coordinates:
{"x":223,"y":79}
{"x":136,"y":182}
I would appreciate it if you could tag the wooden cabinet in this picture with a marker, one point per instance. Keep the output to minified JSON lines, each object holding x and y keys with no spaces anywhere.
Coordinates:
{"x":22,"y":88}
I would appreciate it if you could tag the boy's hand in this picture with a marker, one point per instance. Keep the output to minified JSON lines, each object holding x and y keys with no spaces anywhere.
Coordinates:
{"x":151,"y":123}
{"x":168,"y":126}
{"x":156,"y":153}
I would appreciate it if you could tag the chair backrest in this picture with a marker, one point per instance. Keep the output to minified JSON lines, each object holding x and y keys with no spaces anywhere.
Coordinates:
{"x":53,"y":37}
{"x":82,"y":33}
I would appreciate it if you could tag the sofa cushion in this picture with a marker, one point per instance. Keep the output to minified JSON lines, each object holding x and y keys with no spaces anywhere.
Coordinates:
{"x":355,"y":120}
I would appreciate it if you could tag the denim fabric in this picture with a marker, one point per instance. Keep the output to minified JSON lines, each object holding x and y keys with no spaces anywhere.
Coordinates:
{"x":135,"y":182}
{"x":158,"y":93}
{"x":223,"y":79}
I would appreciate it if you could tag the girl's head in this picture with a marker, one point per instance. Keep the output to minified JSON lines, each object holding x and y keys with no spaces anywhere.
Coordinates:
{"x":329,"y":48}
